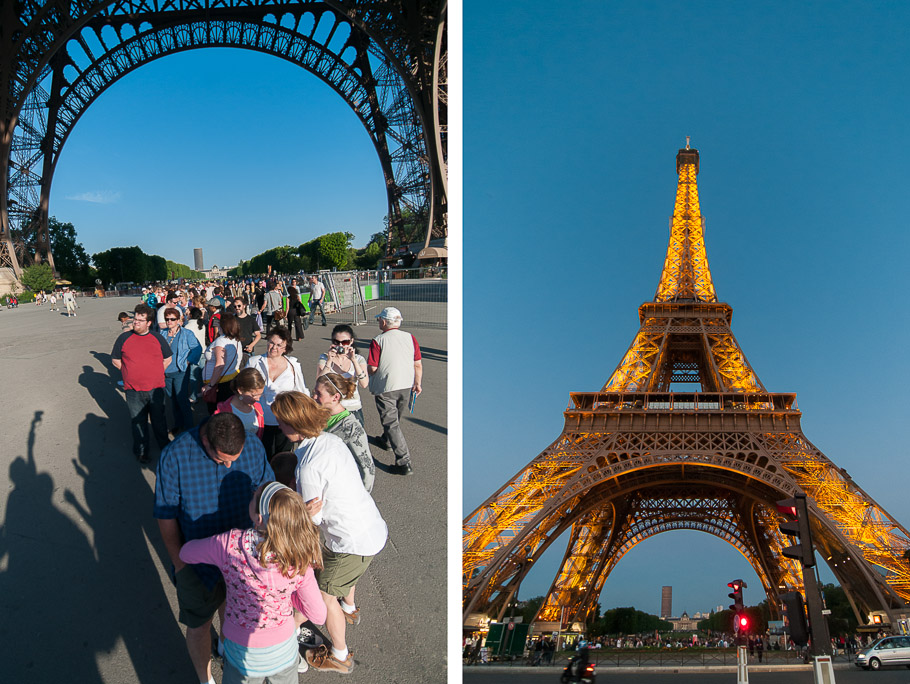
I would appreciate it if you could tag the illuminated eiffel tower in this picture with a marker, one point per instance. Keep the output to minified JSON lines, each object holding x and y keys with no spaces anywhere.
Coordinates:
{"x":637,"y":459}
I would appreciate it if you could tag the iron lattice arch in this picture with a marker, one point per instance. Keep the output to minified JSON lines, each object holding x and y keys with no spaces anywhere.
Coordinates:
{"x":637,"y":459}
{"x":386,"y":59}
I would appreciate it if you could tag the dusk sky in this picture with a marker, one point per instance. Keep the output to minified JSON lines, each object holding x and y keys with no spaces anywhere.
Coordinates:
{"x":230,"y":150}
{"x":573,"y":117}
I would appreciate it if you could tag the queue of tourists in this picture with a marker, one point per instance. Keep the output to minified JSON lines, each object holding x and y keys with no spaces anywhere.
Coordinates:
{"x":265,"y":505}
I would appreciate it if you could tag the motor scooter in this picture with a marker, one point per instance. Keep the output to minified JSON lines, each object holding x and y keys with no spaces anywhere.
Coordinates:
{"x":587,"y":675}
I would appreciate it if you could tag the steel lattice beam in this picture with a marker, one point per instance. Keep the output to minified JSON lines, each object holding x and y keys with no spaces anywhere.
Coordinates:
{"x":386,"y":59}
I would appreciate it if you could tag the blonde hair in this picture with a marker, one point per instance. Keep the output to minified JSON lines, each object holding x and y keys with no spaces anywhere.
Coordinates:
{"x":300,"y":413}
{"x":290,"y":540}
{"x":337,"y":384}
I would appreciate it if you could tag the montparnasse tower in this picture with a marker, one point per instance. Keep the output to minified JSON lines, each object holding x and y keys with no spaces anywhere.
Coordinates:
{"x":683,"y":435}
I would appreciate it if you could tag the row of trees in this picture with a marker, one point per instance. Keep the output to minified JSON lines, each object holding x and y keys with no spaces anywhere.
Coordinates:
{"x":329,"y":251}
{"x":118,"y":264}
{"x":841,"y":622}
{"x":131,"y":264}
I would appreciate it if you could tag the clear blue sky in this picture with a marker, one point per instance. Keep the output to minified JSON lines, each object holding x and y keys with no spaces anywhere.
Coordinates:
{"x":230,"y":150}
{"x":573,"y":117}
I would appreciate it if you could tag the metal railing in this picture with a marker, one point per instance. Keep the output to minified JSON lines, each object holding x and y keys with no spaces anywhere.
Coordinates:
{"x":356,"y":297}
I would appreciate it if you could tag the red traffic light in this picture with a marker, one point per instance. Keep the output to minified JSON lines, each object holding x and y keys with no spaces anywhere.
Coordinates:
{"x":743,"y":622}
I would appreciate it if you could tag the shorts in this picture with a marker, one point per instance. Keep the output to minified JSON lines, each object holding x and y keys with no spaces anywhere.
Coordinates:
{"x":197,"y":603}
{"x":340,"y":572}
{"x":233,"y":676}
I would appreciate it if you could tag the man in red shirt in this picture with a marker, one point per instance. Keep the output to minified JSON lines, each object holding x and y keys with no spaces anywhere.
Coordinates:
{"x":142,"y":357}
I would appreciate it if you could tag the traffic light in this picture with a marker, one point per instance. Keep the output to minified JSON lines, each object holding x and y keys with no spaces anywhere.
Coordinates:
{"x":796,"y":616}
{"x":737,"y":595}
{"x":743,"y":623}
{"x":798,"y":527}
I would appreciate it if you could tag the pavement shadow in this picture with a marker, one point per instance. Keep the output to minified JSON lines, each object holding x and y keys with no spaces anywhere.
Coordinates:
{"x":49,"y":564}
{"x":432,"y":354}
{"x":427,"y":424}
{"x":127,"y":583}
{"x":116,"y":503}
{"x":109,"y":398}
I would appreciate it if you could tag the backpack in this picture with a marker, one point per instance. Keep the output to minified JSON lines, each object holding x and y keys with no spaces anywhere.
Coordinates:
{"x":212,"y":329}
{"x":152,"y":300}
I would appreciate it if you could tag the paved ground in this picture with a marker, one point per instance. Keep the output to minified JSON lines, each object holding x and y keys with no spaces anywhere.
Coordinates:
{"x":684,"y":675}
{"x":83,"y":589}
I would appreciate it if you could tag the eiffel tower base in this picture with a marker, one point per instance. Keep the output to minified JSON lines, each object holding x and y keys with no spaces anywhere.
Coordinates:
{"x":8,"y":281}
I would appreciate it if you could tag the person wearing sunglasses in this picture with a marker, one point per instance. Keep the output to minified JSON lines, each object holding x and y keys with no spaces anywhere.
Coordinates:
{"x":342,"y":358}
{"x":185,"y":354}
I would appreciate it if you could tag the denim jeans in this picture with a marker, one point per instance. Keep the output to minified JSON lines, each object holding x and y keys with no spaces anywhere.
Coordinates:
{"x":313,"y":306}
{"x":144,"y":406}
{"x":177,"y":386}
{"x":391,"y":406}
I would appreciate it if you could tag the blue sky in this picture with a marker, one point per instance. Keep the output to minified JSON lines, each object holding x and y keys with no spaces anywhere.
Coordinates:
{"x":225,"y":149}
{"x":572,"y":120}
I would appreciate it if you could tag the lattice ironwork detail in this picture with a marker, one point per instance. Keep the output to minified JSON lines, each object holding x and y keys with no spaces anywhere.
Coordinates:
{"x":386,"y":59}
{"x":637,"y":459}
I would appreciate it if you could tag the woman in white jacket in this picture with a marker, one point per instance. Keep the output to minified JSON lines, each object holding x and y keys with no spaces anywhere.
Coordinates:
{"x":282,"y":373}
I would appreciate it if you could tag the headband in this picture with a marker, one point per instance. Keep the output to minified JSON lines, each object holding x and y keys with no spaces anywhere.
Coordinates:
{"x":329,"y":380}
{"x":270,"y":489}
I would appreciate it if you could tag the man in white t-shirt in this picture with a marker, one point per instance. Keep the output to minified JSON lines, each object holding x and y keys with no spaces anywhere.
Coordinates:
{"x":317,"y":293}
{"x":396,"y":370}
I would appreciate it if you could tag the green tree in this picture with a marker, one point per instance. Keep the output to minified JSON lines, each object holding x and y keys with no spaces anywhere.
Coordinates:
{"x":842,"y":620}
{"x":123,"y":264}
{"x":327,"y":251}
{"x":70,"y":257}
{"x":38,"y":277}
{"x":368,"y":257}
{"x":528,"y":609}
{"x":628,"y":621}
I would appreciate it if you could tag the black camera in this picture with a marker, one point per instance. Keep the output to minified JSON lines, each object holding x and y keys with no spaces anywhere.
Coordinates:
{"x":339,"y":349}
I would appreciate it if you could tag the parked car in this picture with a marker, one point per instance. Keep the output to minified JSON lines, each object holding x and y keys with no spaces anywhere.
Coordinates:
{"x":893,"y":650}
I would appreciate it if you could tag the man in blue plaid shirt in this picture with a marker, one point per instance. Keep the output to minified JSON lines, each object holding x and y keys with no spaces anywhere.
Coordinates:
{"x":206,"y":478}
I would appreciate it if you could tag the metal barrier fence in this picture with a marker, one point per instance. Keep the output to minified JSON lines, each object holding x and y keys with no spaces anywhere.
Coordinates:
{"x":664,"y":658}
{"x":356,"y":297}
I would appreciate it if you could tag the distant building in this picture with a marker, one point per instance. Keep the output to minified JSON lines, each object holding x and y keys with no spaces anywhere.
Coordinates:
{"x":216,"y":272}
{"x":197,"y":258}
{"x":666,"y":602}
{"x":683,"y":623}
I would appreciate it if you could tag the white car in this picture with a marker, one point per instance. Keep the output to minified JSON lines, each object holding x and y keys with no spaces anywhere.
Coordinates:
{"x":894,"y":650}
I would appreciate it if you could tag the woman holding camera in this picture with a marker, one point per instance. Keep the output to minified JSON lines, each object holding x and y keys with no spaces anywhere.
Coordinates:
{"x":343,"y":359}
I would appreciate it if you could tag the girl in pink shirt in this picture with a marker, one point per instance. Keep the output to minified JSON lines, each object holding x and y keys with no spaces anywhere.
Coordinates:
{"x":271,"y":589}
{"x":244,"y":403}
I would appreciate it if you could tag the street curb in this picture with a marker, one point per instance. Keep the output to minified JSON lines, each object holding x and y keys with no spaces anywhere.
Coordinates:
{"x":666,"y":669}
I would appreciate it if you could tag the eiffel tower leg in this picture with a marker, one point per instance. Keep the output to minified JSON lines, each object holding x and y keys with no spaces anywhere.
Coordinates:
{"x":570,"y":595}
{"x":8,"y":258}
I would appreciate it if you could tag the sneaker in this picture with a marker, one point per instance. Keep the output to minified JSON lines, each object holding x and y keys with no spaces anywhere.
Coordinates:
{"x":302,"y":665}
{"x":352,"y":618}
{"x":322,"y":659}
{"x":404,"y":469}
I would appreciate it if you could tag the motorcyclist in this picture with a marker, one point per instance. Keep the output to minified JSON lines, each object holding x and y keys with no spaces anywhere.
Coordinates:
{"x":581,"y":659}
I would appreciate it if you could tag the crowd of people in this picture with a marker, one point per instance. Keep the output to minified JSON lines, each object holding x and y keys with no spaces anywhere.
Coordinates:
{"x":265,"y":505}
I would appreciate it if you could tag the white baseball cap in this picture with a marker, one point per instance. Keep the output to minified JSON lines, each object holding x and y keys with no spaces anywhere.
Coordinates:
{"x":390,"y":313}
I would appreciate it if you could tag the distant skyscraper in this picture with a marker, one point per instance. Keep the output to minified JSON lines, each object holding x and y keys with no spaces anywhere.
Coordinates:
{"x":666,"y":602}
{"x":197,"y":255}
